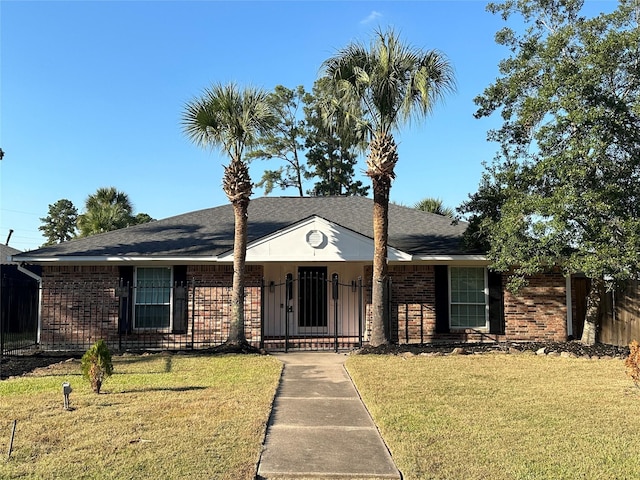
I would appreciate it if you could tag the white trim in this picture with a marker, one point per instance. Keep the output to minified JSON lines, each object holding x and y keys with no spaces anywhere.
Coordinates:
{"x":569,"y":306}
{"x":121,"y":259}
{"x":29,"y":273}
{"x":228,"y":258}
{"x":291,"y":244}
{"x":451,"y":258}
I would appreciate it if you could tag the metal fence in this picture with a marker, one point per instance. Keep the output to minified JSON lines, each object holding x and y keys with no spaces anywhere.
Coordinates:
{"x":313,"y":312}
{"x":18,"y":315}
{"x":306,"y":313}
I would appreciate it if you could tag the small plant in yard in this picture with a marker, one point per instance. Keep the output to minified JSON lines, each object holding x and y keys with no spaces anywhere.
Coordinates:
{"x":633,"y":362}
{"x":96,"y":364}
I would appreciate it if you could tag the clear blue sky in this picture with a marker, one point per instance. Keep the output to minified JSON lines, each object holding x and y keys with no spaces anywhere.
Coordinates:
{"x":92,"y":94}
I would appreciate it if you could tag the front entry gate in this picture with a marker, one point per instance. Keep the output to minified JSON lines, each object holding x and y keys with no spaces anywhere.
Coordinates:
{"x":313,"y":311}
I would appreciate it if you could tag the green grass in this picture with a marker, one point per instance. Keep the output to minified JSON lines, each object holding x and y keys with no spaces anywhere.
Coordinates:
{"x":503,"y":416}
{"x":454,"y":417}
{"x":158,"y":416}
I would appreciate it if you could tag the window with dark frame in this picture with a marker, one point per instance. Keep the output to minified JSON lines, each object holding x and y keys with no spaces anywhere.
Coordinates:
{"x":468,"y":297}
{"x":152,"y":304}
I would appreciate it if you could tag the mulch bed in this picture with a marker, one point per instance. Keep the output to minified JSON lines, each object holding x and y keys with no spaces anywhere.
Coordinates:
{"x":574,"y":348}
{"x":17,"y":365}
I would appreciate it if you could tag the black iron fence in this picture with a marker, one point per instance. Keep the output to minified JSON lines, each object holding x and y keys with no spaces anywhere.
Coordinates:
{"x":313,"y":312}
{"x":18,"y":315}
{"x":310,"y":312}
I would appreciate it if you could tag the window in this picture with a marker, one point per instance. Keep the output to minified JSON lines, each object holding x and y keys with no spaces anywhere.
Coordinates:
{"x":152,"y":298}
{"x":468,"y":297}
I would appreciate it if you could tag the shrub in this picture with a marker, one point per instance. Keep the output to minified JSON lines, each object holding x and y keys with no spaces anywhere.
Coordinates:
{"x":633,"y":362}
{"x":96,"y":364}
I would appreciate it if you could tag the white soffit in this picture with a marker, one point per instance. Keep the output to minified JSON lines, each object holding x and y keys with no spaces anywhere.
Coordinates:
{"x":311,"y":240}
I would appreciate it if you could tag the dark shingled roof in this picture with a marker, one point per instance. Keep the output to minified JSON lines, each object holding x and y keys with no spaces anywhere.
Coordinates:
{"x":209,"y":232}
{"x":5,"y":252}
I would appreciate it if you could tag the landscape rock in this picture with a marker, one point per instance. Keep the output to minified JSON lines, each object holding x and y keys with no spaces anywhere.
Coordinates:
{"x":458,"y":351}
{"x":18,"y":365}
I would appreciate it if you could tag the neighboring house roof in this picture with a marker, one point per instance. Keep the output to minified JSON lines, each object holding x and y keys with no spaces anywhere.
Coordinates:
{"x":209,"y":232}
{"x":5,"y":253}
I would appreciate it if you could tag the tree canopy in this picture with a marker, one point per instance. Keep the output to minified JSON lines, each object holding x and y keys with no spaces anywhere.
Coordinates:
{"x":563,"y":188}
{"x":108,"y":209}
{"x":60,"y":224}
{"x":285,"y":141}
{"x":434,"y":205}
{"x":332,"y":149}
{"x":307,"y":146}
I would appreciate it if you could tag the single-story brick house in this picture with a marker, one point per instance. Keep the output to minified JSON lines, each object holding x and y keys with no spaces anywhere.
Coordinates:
{"x":166,"y":284}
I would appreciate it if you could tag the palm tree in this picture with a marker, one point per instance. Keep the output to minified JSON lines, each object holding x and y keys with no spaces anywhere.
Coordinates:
{"x":434,"y":205}
{"x":382,"y":88}
{"x":231,"y":119}
{"x":106,"y":210}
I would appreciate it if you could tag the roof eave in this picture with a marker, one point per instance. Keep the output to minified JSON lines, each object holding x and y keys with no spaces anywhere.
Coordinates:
{"x":174,"y":260}
{"x":451,"y":258}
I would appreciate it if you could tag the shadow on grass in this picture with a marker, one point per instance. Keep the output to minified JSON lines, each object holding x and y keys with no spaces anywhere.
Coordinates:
{"x":160,"y":389}
{"x":163,"y":363}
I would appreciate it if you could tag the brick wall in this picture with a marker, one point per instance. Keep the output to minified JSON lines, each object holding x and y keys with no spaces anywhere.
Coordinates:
{"x":79,"y":307}
{"x":413,"y":304}
{"x":211,"y":302}
{"x":536,"y":313}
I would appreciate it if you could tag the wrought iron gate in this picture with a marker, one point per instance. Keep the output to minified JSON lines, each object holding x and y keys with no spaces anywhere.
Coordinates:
{"x":312,"y":312}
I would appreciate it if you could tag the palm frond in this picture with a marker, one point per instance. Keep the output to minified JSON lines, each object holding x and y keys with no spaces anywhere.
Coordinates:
{"x":228,"y":118}
{"x":390,"y":82}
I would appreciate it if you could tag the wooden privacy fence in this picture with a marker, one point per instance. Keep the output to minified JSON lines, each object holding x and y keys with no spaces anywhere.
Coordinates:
{"x":621,"y":316}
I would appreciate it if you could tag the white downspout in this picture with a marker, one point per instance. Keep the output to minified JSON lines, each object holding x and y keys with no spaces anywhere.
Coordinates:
{"x":39,"y":280}
{"x":569,"y":307}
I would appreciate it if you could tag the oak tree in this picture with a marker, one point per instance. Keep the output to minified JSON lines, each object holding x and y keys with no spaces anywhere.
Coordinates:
{"x":563,"y":190}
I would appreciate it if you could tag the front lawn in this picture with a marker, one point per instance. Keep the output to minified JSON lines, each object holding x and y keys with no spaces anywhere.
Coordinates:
{"x":503,"y":416}
{"x":158,"y":416}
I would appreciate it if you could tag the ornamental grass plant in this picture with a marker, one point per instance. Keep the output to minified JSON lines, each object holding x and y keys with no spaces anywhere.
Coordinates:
{"x":632,"y":363}
{"x":97,"y":365}
{"x":159,"y":416}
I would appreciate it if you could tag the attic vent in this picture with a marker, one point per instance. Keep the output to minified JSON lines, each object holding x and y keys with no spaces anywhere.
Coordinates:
{"x":315,"y":238}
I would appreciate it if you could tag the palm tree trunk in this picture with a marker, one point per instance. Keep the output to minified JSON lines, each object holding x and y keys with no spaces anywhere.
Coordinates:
{"x":592,"y":315}
{"x":237,"y":185}
{"x":379,"y":293}
{"x":236,"y":324}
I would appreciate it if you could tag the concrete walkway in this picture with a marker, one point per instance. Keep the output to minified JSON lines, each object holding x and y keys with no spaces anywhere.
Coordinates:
{"x":319,"y":427}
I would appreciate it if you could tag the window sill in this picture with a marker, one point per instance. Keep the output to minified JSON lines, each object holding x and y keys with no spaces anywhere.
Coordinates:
{"x":469,"y":329}
{"x":152,"y":330}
